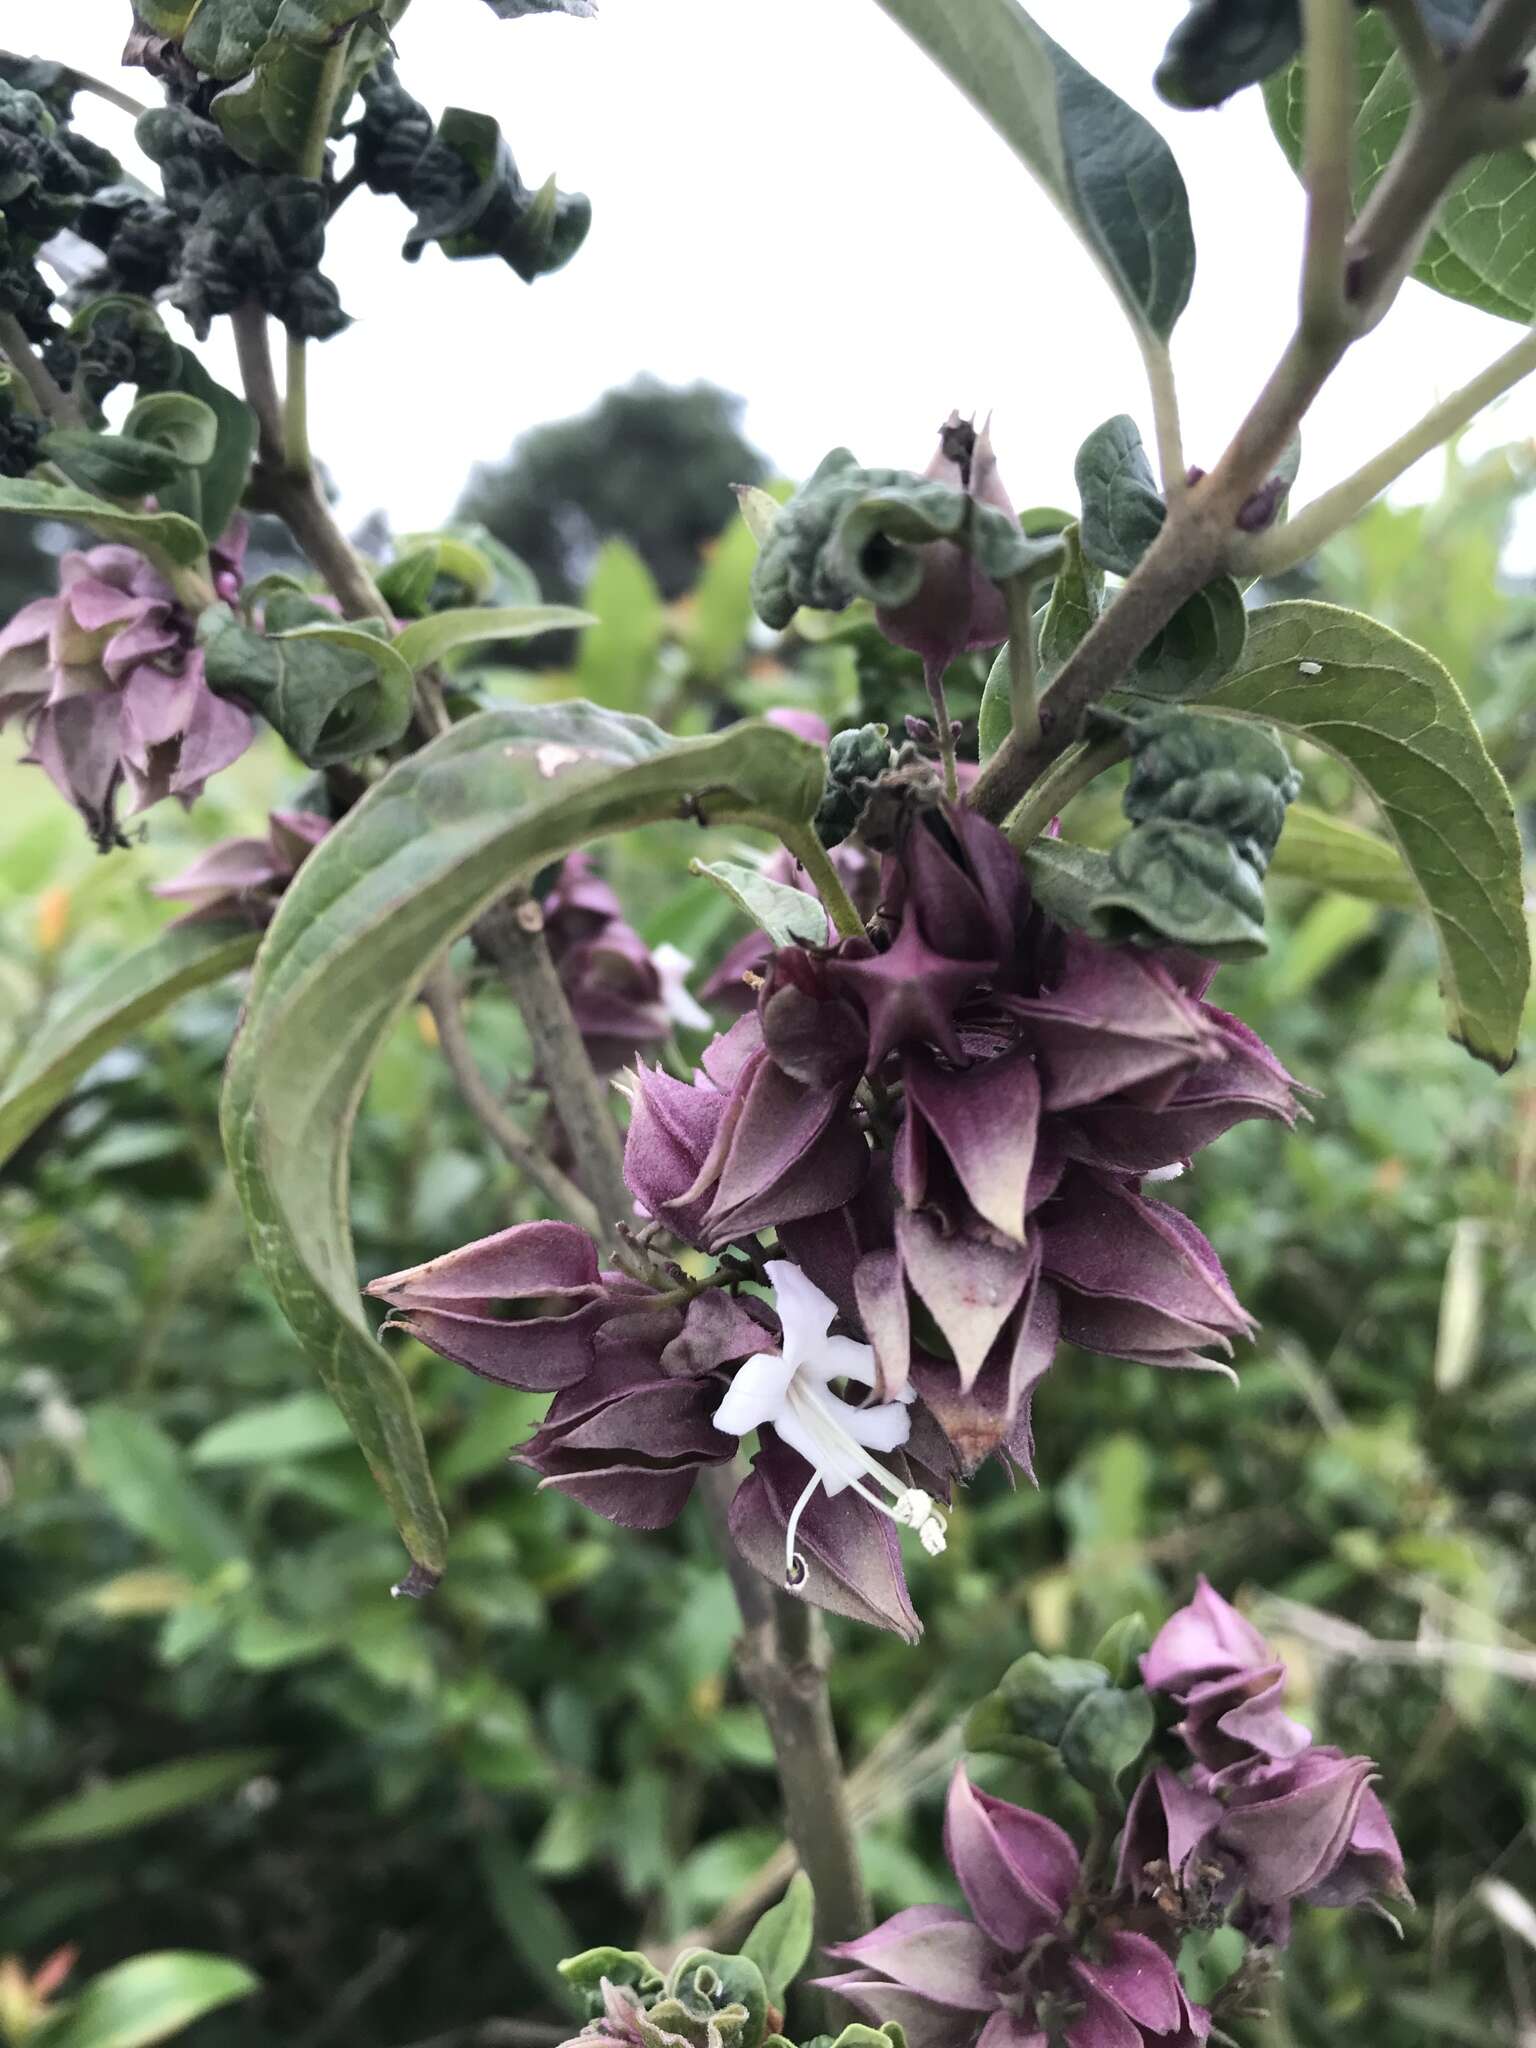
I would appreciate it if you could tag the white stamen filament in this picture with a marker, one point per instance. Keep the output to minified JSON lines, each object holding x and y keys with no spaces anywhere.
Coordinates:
{"x":912,"y":1509}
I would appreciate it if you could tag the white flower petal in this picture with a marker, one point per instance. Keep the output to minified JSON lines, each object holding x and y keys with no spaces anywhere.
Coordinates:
{"x":840,"y":1358}
{"x":885,"y":1427}
{"x":834,"y":1466}
{"x":805,"y":1314}
{"x":673,"y":968}
{"x":756,"y":1395}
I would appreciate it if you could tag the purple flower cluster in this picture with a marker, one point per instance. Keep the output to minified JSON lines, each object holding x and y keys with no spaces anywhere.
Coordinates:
{"x":1263,"y":1816}
{"x":624,"y":997}
{"x":244,"y":879}
{"x":1051,"y":1952}
{"x":109,"y":686}
{"x":1016,"y":1972}
{"x":951,"y":1127}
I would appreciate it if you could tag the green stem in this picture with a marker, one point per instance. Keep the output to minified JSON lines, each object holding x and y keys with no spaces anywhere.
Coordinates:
{"x":311,"y":164}
{"x":1023,"y":708}
{"x":1266,"y":554}
{"x":1165,"y":414}
{"x":1066,"y":778}
{"x":1327,"y":160}
{"x":802,"y":842}
{"x":50,"y":401}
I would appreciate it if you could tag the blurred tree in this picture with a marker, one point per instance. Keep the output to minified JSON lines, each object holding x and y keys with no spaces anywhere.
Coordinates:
{"x":650,"y":464}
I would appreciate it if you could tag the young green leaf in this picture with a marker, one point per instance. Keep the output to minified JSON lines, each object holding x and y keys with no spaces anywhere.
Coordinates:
{"x":1392,"y":714}
{"x":1123,"y":509}
{"x":788,"y":916}
{"x":142,"y":1474}
{"x":1077,"y":598}
{"x":1107,"y":169}
{"x":431,"y":847}
{"x":212,"y":494}
{"x":333,"y":690}
{"x":115,"y":465}
{"x":120,"y":1805}
{"x":150,"y":1998}
{"x":781,"y":1941}
{"x":617,"y":660}
{"x":1200,"y":644}
{"x":103,"y":1011}
{"x":427,"y":640}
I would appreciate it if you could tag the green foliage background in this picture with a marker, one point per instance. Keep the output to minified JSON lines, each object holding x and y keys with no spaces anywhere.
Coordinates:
{"x":216,"y":1729}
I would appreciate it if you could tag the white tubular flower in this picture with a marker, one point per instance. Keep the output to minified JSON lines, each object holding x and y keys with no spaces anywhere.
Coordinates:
{"x":792,"y":1390}
{"x":673,"y":968}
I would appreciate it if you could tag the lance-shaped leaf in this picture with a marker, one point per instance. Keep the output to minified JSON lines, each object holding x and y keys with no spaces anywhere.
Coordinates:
{"x":1330,"y":854}
{"x":781,"y":1941}
{"x":1107,"y":169}
{"x":1392,"y":714}
{"x":431,"y":847}
{"x":164,"y":537}
{"x":104,"y":1011}
{"x":788,"y":916}
{"x":116,"y":465}
{"x":428,"y":640}
{"x":1482,"y":249}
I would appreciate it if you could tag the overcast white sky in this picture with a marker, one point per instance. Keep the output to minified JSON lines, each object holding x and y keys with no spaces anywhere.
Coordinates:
{"x":790,"y":200}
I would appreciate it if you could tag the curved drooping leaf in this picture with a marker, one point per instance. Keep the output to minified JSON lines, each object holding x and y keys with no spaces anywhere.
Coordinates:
{"x":149,"y":1998}
{"x":117,"y":465}
{"x":427,"y":640}
{"x":431,"y":847}
{"x":1482,"y":249}
{"x":1108,"y":170}
{"x":104,"y":1011}
{"x":1392,"y":714}
{"x":164,"y":537}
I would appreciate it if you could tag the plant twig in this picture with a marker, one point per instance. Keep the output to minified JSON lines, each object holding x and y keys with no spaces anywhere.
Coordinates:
{"x":50,"y":401}
{"x":782,"y":1657}
{"x":1266,"y":554}
{"x":254,"y":352}
{"x":1327,"y":160}
{"x":443,"y":1002}
{"x":1199,"y":540}
{"x":1066,"y":778}
{"x":512,"y":935}
{"x":311,"y":164}
{"x":801,"y":841}
{"x":1424,"y":60}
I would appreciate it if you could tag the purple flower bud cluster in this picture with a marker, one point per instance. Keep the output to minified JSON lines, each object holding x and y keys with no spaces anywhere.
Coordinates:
{"x":243,"y":880}
{"x":954,"y":1129}
{"x":1262,"y":1817}
{"x":108,"y":684}
{"x":624,"y":997}
{"x":1051,"y":1951}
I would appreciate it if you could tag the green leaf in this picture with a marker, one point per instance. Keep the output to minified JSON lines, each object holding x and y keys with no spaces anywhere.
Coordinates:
{"x":428,"y":640}
{"x":880,"y":537}
{"x":221,"y":479}
{"x":617,"y":661}
{"x":1106,"y":1738}
{"x":1043,"y":1693}
{"x":720,"y":615}
{"x":1330,"y":854}
{"x":781,"y":1941}
{"x":1077,"y":598}
{"x":1392,"y":714}
{"x":1123,"y":510}
{"x":113,"y":465}
{"x":142,"y":1474}
{"x":1201,"y":643}
{"x":1121,"y":1647}
{"x":789,"y":916}
{"x":120,"y":1805}
{"x":150,"y":1998}
{"x":296,"y":1427}
{"x":1482,"y":249}
{"x":1222,"y":45}
{"x":1108,"y":170}
{"x":433,"y":845}
{"x":100,"y":1013}
{"x":165,"y":537}
{"x":332,"y":690}
{"x":177,"y":422}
